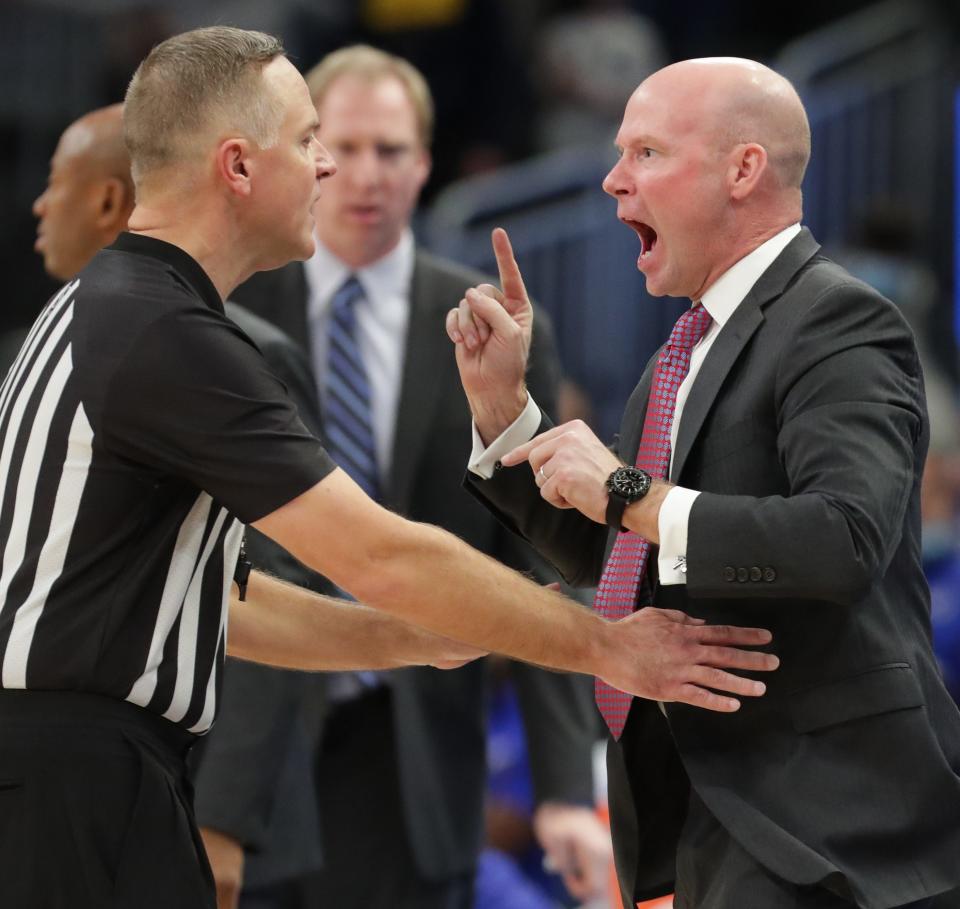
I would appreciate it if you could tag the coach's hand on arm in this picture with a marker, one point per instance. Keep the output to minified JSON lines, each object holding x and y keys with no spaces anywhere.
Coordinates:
{"x":492,"y":330}
{"x":427,"y":576}
{"x":571,"y":466}
{"x":225,"y":855}
{"x":283,"y":625}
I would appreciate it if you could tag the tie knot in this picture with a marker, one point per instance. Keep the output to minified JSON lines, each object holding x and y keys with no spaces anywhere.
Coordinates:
{"x":349,"y":293}
{"x":690,"y":328}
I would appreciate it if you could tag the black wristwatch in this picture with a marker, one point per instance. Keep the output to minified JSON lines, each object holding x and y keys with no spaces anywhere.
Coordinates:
{"x":625,"y":486}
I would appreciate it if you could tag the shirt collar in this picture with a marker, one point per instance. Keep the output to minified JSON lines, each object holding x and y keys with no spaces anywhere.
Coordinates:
{"x":386,"y":279}
{"x":729,"y":290}
{"x":180,"y":261}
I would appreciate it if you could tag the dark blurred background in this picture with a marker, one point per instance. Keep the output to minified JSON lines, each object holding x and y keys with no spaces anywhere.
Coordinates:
{"x":529,"y":95}
{"x":544,"y":82}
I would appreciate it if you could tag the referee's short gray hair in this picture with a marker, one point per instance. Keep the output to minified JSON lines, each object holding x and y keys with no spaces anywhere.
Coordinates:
{"x":190,"y":82}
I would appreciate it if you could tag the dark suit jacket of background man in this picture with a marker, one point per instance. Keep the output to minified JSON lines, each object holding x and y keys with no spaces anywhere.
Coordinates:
{"x":439,"y":716}
{"x":845,"y":774}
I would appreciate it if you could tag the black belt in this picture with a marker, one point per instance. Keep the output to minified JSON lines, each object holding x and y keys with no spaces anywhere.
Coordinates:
{"x":82,"y":710}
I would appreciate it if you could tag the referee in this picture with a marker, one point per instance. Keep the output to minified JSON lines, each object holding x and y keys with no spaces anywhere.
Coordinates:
{"x":139,"y":430}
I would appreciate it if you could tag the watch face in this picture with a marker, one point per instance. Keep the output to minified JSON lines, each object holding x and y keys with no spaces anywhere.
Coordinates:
{"x":629,"y":482}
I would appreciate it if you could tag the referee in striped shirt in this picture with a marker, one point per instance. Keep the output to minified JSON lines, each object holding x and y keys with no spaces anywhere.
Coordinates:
{"x":139,"y":430}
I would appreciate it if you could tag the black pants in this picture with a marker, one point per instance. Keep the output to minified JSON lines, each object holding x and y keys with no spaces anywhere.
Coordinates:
{"x":95,"y":807}
{"x":367,"y":857}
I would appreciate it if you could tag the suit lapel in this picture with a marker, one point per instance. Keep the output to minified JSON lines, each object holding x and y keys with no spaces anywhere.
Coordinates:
{"x":720,"y":359}
{"x":731,"y":341}
{"x":281,"y":297}
{"x":421,"y":384}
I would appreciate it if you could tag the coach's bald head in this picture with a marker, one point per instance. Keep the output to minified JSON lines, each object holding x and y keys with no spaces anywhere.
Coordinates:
{"x":713,"y":153}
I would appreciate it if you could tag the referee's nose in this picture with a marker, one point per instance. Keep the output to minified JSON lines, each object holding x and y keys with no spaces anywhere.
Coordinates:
{"x":326,"y":166}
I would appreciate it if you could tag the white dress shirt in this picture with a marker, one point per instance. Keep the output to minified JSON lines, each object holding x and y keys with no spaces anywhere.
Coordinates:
{"x":382,"y":318}
{"x":721,"y":301}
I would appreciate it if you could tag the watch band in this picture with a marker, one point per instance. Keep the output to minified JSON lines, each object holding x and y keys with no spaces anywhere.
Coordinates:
{"x":616,"y":506}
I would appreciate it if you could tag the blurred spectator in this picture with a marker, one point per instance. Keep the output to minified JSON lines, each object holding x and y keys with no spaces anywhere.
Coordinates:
{"x":887,"y":253}
{"x":513,"y":872}
{"x":588,"y":62}
{"x":940,"y":505}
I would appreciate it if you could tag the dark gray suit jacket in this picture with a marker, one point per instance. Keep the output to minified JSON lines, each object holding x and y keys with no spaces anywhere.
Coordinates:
{"x":437,"y":714}
{"x":806,"y":431}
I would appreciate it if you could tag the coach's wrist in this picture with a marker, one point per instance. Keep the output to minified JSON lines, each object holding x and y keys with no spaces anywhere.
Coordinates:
{"x":642,"y":516}
{"x":494,"y":415}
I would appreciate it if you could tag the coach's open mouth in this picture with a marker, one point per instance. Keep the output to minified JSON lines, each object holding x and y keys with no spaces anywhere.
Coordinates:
{"x":647,"y":235}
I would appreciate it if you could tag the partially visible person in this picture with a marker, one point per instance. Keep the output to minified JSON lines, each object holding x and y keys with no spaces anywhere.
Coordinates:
{"x":888,"y":253}
{"x":86,"y":203}
{"x":89,"y":194}
{"x":139,"y":430}
{"x":412,"y":805}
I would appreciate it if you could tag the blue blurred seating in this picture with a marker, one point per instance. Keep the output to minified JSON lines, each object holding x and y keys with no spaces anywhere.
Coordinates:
{"x":878,"y":87}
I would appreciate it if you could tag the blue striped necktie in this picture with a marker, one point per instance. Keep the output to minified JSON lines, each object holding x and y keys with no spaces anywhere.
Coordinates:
{"x":347,"y":421}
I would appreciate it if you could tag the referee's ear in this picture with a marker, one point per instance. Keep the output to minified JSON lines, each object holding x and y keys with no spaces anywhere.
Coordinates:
{"x":232,"y":165}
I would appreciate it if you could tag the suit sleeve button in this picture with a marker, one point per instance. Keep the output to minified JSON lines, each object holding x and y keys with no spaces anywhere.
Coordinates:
{"x":769,"y":575}
{"x":729,"y":574}
{"x":742,"y":575}
{"x":755,"y":574}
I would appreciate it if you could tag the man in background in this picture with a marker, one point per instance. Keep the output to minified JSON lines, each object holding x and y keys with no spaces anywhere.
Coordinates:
{"x":86,"y":203}
{"x":400,"y":766}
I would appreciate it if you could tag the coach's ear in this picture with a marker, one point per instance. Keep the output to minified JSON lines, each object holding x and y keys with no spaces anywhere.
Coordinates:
{"x":748,"y":164}
{"x":232,"y":165}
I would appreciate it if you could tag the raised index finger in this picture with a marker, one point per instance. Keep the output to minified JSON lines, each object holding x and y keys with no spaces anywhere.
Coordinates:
{"x":510,"y":278}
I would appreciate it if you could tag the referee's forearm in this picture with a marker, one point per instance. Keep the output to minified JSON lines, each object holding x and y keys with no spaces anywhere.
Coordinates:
{"x":283,"y":625}
{"x":427,"y":575}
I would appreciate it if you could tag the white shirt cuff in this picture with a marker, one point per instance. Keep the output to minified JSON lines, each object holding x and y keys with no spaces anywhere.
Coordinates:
{"x":483,"y":460}
{"x":672,"y":522}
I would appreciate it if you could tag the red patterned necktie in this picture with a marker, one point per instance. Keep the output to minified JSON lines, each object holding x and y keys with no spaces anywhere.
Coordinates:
{"x":622,"y":575}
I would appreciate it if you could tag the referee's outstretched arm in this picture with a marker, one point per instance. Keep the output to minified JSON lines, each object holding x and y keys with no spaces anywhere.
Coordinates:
{"x":426,"y":576}
{"x":288,"y":626}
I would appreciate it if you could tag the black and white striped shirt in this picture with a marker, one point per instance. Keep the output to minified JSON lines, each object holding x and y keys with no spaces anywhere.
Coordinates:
{"x":138,"y":428}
